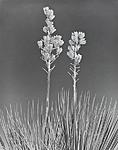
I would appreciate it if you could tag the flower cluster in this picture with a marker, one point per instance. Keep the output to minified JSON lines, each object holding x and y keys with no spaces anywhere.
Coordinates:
{"x":49,"y":13}
{"x":49,"y":43}
{"x":50,"y":16}
{"x":77,"y":39}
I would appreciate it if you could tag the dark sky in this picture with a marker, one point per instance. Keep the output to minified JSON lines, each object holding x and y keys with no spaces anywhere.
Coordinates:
{"x":21,"y":23}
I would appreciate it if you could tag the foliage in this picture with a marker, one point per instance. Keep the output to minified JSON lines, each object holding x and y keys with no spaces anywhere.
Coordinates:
{"x":97,"y":127}
{"x":2,"y":145}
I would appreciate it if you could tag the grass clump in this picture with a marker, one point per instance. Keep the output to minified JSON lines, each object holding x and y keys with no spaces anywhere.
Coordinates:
{"x":97,"y":125}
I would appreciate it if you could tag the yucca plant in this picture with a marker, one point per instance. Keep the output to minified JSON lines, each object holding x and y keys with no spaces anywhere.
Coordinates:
{"x":48,"y":45}
{"x":69,"y":126}
{"x":77,"y":39}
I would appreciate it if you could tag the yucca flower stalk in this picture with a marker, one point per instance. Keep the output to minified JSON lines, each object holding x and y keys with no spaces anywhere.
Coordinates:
{"x":48,"y":45}
{"x":77,"y":39}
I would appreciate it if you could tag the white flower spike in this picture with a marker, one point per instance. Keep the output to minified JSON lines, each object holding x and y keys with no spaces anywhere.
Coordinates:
{"x":77,"y":39}
{"x":50,"y":47}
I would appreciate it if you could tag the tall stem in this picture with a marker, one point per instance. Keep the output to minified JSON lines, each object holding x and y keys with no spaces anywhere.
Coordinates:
{"x":74,"y":85}
{"x":75,"y":99}
{"x":48,"y":85}
{"x":48,"y":89}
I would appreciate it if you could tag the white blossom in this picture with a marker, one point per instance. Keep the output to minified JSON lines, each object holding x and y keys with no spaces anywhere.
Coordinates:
{"x":50,"y":43}
{"x":45,"y":29}
{"x":78,"y":58}
{"x":77,"y":47}
{"x":59,"y":50}
{"x":40,"y":44}
{"x":46,"y":10}
{"x":52,"y":29}
{"x":49,"y":13}
{"x":70,"y":54}
{"x":52,"y":57}
{"x":77,"y":39}
{"x":46,"y":39}
{"x":81,"y":35}
{"x":57,"y":41}
{"x":50,"y":47}
{"x":74,"y":37}
{"x":82,"y":41}
{"x":71,"y":42}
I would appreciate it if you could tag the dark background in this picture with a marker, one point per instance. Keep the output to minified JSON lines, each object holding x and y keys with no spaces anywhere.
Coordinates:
{"x":21,"y":23}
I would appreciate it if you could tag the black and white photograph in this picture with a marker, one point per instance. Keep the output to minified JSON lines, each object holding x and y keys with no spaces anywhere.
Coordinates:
{"x":58,"y":74}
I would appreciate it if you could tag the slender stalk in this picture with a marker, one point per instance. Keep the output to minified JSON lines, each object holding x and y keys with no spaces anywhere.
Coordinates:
{"x":48,"y":89}
{"x":74,"y":85}
{"x":48,"y":83}
{"x":75,"y":99}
